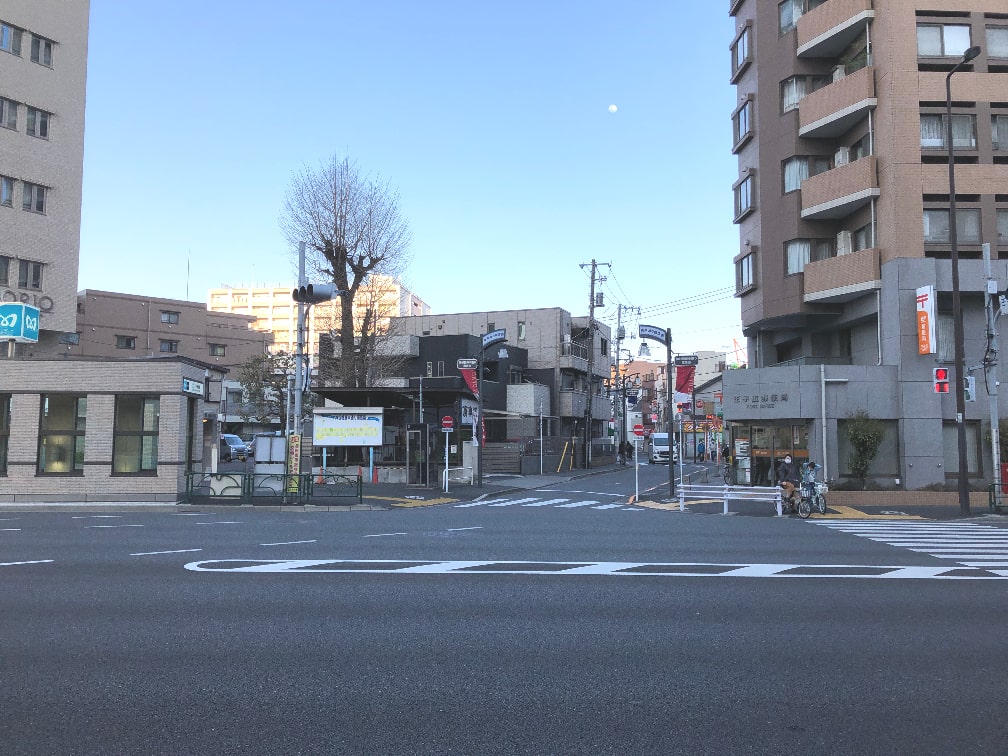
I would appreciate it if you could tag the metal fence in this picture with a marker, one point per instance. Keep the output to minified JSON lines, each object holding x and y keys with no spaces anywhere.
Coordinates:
{"x":274,"y":489}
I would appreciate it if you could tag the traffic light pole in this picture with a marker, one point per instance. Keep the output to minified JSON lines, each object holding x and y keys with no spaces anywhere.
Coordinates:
{"x":990,"y":370}
{"x":299,"y":354}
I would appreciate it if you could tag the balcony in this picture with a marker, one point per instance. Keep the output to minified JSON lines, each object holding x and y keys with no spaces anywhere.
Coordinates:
{"x":842,"y":278}
{"x":834,"y":110}
{"x":825,"y":32}
{"x":839,"y":192}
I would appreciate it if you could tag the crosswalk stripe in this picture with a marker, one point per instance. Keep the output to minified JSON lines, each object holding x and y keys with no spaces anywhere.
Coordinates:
{"x":545,"y":503}
{"x":511,"y":502}
{"x":966,"y":543}
{"x":573,"y":504}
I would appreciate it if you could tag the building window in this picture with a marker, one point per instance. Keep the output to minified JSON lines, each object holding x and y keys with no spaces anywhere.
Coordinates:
{"x":135,"y":435}
{"x":936,"y":226}
{"x":740,"y":52}
{"x":125,"y":342}
{"x":797,"y":169}
{"x":5,"y":270}
{"x":799,"y":252}
{"x":217,"y":350}
{"x":942,"y":40}
{"x":8,"y":113}
{"x":744,"y":278}
{"x":5,"y":414}
{"x":744,"y":197}
{"x":794,"y":88}
{"x":33,"y":197}
{"x":41,"y":50}
{"x":10,"y":38}
{"x":168,"y":346}
{"x":742,"y":123}
{"x":863,"y":238}
{"x":1002,"y":226}
{"x":861,"y":148}
{"x":29,"y":275}
{"x":788,"y":13}
{"x":933,"y":130}
{"x":61,"y":434}
{"x":521,"y":330}
{"x":169,"y":317}
{"x":6,"y":191}
{"x":38,"y":123}
{"x":999,"y":129}
{"x":997,"y":41}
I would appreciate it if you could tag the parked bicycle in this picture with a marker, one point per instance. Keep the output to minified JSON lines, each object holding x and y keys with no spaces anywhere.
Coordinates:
{"x":726,"y":473}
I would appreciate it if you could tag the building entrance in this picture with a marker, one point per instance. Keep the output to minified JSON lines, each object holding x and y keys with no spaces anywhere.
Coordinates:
{"x":757,"y":450}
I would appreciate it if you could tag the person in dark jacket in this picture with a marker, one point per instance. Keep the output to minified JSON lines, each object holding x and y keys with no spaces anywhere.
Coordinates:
{"x":787,"y":478}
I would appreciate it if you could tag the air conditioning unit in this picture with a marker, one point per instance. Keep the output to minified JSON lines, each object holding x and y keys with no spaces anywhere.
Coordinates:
{"x":839,"y":72}
{"x":842,"y":157}
{"x":843,"y":243}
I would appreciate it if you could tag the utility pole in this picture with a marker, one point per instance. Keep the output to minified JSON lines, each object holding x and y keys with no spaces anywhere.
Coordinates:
{"x":990,"y":370}
{"x":591,"y":359}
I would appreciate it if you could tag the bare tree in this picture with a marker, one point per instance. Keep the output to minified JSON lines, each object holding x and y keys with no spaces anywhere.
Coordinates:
{"x":263,"y":378}
{"x":352,"y":228}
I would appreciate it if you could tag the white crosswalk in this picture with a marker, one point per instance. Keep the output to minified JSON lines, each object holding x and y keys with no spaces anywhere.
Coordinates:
{"x":967,"y":543}
{"x":536,"y":501}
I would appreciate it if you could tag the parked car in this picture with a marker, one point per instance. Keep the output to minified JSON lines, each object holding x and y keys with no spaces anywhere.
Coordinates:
{"x":232,"y":447}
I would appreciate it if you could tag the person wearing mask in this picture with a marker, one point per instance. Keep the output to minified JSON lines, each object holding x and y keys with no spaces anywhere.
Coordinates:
{"x":787,"y":478}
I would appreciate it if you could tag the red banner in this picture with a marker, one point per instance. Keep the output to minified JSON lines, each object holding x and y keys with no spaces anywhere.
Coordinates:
{"x":469,"y":374}
{"x":684,"y":375}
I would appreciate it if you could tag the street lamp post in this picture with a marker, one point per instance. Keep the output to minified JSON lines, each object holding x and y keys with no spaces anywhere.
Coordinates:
{"x":664,"y":335}
{"x":489,"y":340}
{"x":957,"y":318}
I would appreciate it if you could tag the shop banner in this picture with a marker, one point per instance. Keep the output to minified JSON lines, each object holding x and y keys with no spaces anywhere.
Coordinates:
{"x":926,"y":341}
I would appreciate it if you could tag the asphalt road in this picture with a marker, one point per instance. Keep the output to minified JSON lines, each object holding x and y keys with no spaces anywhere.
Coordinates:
{"x":489,"y":630}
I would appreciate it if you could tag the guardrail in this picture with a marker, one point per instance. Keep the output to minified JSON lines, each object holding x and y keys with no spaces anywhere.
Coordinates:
{"x":274,"y":489}
{"x":456,"y":475}
{"x":728,"y":493}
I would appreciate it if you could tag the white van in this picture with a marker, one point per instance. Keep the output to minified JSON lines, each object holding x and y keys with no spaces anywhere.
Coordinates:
{"x":660,"y":449}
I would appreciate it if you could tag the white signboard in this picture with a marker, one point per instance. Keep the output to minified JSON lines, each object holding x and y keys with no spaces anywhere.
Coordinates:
{"x":469,"y":411}
{"x":348,"y":426}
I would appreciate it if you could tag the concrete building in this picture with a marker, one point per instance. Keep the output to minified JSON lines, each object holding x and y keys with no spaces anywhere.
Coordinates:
{"x":129,"y":325}
{"x":843,"y":207}
{"x":274,"y":311}
{"x":43,"y":70}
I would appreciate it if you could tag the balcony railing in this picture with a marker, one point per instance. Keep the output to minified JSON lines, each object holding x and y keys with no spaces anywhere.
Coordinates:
{"x":842,"y":278}
{"x":835,"y":109}
{"x":839,"y":192}
{"x":825,"y":31}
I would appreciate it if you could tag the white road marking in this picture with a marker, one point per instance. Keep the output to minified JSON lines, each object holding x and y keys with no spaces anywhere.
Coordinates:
{"x":287,"y":543}
{"x":626,"y":569}
{"x":95,"y":517}
{"x":384,"y":535}
{"x":545,"y":502}
{"x":11,"y":530}
{"x":510,"y":502}
{"x":134,"y":525}
{"x":220,"y":522}
{"x":176,"y":551}
{"x":455,"y":530}
{"x":35,"y":561}
{"x":965,"y":543}
{"x":608,"y":506}
{"x":574,"y":504}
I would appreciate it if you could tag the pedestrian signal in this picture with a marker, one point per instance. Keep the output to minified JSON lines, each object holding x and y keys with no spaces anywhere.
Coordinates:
{"x":941,"y":380}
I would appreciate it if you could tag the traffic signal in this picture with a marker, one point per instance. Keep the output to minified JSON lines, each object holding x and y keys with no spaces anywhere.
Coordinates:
{"x":314,"y":293}
{"x":941,"y":380}
{"x":969,"y":388}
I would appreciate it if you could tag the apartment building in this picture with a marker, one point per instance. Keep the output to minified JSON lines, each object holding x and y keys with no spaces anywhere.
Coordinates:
{"x":276,"y":312}
{"x":43,"y":70}
{"x":843,"y":206}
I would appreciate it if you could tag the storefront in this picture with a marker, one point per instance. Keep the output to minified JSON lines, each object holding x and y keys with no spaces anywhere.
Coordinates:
{"x":757,"y":450}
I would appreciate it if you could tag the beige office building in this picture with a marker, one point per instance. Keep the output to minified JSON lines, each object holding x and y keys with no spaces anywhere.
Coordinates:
{"x":275,"y":310}
{"x":43,"y":70}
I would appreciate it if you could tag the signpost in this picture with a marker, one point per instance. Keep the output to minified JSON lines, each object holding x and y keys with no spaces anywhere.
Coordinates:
{"x":447,"y":423}
{"x":18,"y":323}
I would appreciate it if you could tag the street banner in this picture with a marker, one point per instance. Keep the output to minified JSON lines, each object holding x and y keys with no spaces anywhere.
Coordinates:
{"x":684,"y":383}
{"x":469,"y":375}
{"x":926,"y":341}
{"x":293,"y":463}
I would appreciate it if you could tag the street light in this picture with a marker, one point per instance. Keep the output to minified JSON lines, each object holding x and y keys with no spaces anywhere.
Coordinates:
{"x":489,"y":340}
{"x":957,"y":319}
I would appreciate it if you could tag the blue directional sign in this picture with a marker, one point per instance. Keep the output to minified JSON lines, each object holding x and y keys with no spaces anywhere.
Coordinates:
{"x":19,"y":322}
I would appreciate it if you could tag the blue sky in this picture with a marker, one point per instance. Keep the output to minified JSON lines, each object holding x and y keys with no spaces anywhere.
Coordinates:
{"x":491,"y":119}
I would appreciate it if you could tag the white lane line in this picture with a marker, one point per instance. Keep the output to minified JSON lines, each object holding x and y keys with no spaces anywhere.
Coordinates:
{"x":114,"y":526}
{"x":193,"y":514}
{"x":455,"y":530}
{"x":11,"y":530}
{"x":35,"y":561}
{"x":573,"y":504}
{"x":220,"y":522}
{"x":9,"y":519}
{"x":287,"y":543}
{"x":383,"y":535}
{"x":95,"y":517}
{"x":176,"y":551}
{"x":545,"y":502}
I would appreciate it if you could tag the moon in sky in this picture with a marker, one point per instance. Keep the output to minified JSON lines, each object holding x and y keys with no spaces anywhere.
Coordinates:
{"x":613,"y":108}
